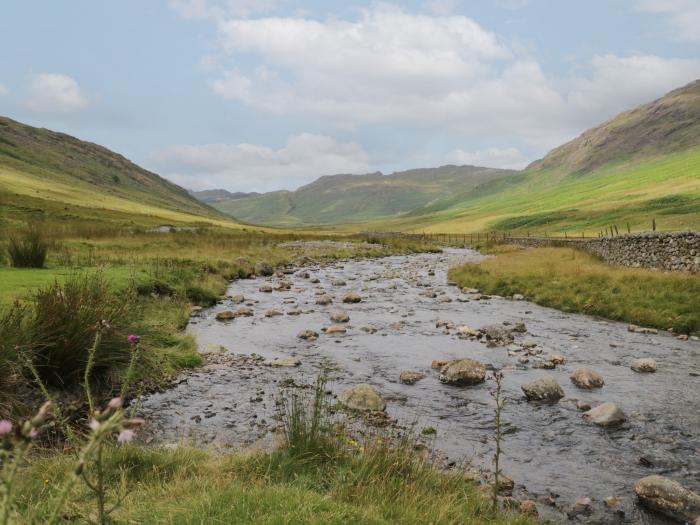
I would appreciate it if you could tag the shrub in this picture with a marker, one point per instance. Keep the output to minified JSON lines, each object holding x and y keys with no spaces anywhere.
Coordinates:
{"x":29,"y":249}
{"x":62,"y":323}
{"x":201,"y":296}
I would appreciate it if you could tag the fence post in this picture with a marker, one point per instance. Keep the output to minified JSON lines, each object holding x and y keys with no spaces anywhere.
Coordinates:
{"x":628,"y":228}
{"x":653,"y":224}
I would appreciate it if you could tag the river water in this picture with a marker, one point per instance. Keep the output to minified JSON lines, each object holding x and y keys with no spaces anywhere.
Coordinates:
{"x":554,"y":455}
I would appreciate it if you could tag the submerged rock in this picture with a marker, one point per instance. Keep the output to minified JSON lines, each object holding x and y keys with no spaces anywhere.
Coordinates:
{"x":668,"y":497}
{"x":467,"y":331}
{"x":308,"y":335}
{"x":644,"y":365}
{"x":273,"y":313}
{"x":463,"y":372}
{"x":409,"y":377}
{"x":587,"y":378}
{"x":283,"y":362}
{"x":243,"y":311}
{"x":606,"y":415}
{"x":238,"y":299}
{"x":544,"y":388}
{"x":363,"y":397}
{"x":265,"y":288}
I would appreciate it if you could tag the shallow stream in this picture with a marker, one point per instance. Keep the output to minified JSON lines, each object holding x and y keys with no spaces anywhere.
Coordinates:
{"x":552,"y":453}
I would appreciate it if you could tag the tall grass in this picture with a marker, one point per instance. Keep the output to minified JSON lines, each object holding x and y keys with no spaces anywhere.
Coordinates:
{"x":575,"y":281}
{"x":28,"y":249}
{"x":59,"y":328}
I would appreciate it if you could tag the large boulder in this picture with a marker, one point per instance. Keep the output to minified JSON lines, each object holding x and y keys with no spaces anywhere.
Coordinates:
{"x":606,"y":415}
{"x":587,"y":378}
{"x":668,"y":497}
{"x":544,"y":388}
{"x":363,"y":397}
{"x":463,"y":372}
{"x":644,"y":365}
{"x":264,"y":269}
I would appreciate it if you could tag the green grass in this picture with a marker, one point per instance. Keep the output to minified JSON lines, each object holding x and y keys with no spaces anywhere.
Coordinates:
{"x":574,"y":281}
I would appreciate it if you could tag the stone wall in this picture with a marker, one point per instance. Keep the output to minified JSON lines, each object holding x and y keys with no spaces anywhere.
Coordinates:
{"x":663,"y":250}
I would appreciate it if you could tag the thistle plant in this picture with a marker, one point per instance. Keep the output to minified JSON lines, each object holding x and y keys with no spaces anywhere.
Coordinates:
{"x":496,"y":394}
{"x":104,"y":426}
{"x":15,"y":442}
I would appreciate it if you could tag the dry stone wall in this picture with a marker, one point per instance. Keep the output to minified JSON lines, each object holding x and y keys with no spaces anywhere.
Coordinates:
{"x":679,"y":251}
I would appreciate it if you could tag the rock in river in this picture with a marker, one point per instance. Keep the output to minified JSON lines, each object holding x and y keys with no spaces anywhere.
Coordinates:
{"x":463,"y":372}
{"x":324,"y":300}
{"x":226,"y":315}
{"x":587,"y":378}
{"x":352,"y":297}
{"x":363,"y":397}
{"x":283,"y":362}
{"x":308,"y":335}
{"x":410,"y":377}
{"x":497,"y":333}
{"x":644,"y":365}
{"x":544,"y":388}
{"x":340,"y":317}
{"x":668,"y":497}
{"x":243,"y":311}
{"x":335,"y":329}
{"x":606,"y":415}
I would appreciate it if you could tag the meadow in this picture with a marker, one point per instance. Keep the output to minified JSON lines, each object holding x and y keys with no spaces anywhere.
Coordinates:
{"x":575,"y":281}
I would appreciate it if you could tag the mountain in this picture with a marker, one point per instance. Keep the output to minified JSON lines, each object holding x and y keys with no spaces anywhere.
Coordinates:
{"x":214,"y":196}
{"x":46,"y":173}
{"x":641,"y":165}
{"x":339,"y":199}
{"x":666,"y":125}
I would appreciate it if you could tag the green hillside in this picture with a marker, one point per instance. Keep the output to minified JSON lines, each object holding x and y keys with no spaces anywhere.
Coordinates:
{"x":643,"y":164}
{"x":45,"y":174}
{"x":340,"y":199}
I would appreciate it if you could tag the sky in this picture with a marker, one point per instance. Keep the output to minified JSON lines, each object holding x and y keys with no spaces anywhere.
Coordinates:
{"x":261,"y":95}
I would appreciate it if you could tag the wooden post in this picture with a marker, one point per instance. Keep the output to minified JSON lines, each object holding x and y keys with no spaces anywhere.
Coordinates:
{"x":628,"y":228}
{"x":653,"y":224}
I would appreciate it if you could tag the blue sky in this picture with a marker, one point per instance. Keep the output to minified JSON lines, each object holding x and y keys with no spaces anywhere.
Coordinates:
{"x":270,"y":94}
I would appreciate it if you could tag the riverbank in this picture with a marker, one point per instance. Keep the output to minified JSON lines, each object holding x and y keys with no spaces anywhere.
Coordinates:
{"x":572,"y":280}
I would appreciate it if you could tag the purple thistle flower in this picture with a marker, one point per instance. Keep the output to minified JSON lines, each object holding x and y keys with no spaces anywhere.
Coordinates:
{"x":126,"y":436}
{"x":115,"y":402}
{"x":133,"y":338}
{"x":5,"y":427}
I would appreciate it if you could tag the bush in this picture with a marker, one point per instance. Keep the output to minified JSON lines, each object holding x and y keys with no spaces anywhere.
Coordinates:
{"x":62,"y":324}
{"x":201,"y":296}
{"x":29,"y":249}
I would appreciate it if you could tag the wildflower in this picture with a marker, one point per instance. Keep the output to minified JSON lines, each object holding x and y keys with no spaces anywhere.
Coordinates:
{"x":133,"y":338}
{"x":5,"y":427}
{"x":33,"y":433}
{"x":114,"y":403}
{"x":126,"y":436}
{"x":94,"y":425}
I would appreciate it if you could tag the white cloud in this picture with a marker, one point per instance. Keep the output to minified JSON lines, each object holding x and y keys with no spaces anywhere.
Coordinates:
{"x":506,"y":158}
{"x":440,"y":7}
{"x":252,"y":167}
{"x":684,"y":15}
{"x":394,"y":66}
{"x":55,"y":93}
{"x":4,"y":90}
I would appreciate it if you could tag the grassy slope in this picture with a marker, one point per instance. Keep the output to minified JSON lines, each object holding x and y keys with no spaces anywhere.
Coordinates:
{"x":575,"y":281}
{"x":357,"y":198}
{"x":49,"y":175}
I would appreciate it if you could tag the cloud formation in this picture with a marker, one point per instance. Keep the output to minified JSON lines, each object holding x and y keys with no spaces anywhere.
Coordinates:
{"x":252,"y":167}
{"x":432,"y":71}
{"x":54,"y":93}
{"x":684,"y":15}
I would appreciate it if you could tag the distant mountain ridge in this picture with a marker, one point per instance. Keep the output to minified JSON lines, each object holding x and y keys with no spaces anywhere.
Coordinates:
{"x":345,"y":198}
{"x":220,"y":195}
